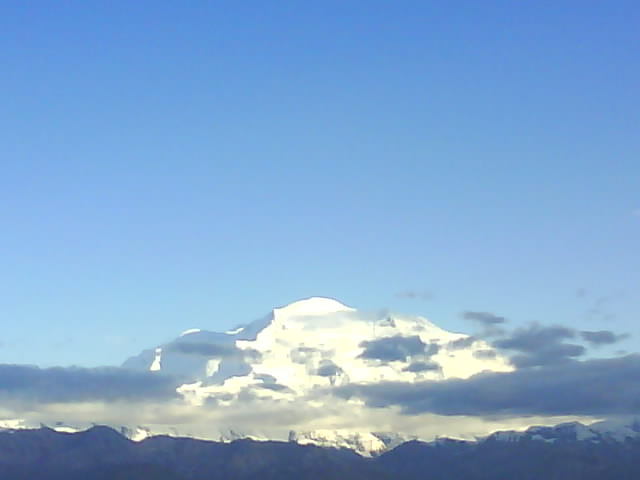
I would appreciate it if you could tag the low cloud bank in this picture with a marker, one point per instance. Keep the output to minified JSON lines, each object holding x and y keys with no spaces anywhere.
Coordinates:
{"x":32,"y":384}
{"x":592,"y":388}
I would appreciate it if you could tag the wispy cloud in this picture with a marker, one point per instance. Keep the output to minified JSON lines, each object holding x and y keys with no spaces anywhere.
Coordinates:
{"x":491,"y":323}
{"x":599,"y":307}
{"x":204,"y":349}
{"x":484,"y":318}
{"x":603,"y":337}
{"x":424,"y":295}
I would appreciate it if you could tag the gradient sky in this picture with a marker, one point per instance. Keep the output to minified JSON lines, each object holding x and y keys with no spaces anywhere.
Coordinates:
{"x":167,"y":166}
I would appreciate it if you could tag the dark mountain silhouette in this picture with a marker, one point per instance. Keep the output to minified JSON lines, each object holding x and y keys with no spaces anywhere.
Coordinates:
{"x":103,"y":454}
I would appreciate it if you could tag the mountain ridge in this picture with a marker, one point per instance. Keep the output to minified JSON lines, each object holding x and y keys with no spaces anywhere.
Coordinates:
{"x":103,"y":453}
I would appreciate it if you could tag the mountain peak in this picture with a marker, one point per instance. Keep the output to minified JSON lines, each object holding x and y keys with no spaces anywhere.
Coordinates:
{"x":312,"y":306}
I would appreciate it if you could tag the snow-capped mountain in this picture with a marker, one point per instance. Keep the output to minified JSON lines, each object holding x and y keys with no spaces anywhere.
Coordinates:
{"x":309,"y":346}
{"x":615,"y":430}
{"x":315,"y":343}
{"x":278,"y":378}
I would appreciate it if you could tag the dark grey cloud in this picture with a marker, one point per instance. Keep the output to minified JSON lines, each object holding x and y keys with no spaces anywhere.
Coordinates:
{"x":485,"y":354}
{"x":461,"y":343}
{"x":538,"y":345}
{"x":592,"y":387}
{"x":66,"y":385}
{"x":396,"y":348}
{"x":203,"y":349}
{"x":328,"y":369}
{"x":228,"y":352}
{"x":276,"y":387}
{"x":303,"y":355}
{"x":490,"y":322}
{"x":485,"y":318}
{"x":551,"y":355}
{"x":416,"y":295}
{"x":535,"y":345}
{"x":422,"y":366}
{"x":535,"y":337}
{"x":602,"y":337}
{"x":432,"y":350}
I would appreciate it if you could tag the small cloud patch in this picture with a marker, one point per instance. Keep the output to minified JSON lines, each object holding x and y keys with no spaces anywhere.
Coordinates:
{"x":328,"y":369}
{"x":421,"y":366}
{"x":393,"y":349}
{"x":602,"y":337}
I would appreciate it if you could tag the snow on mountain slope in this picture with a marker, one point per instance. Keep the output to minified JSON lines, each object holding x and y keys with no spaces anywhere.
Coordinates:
{"x":375,"y":443}
{"x":612,"y":430}
{"x":311,"y":346}
{"x":315,"y":343}
{"x":363,"y":443}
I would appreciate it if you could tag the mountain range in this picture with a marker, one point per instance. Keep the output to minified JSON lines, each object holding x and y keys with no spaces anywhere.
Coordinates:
{"x":101,"y":453}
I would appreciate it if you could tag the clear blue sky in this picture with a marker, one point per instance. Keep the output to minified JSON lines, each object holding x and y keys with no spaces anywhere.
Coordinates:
{"x":168,"y":165}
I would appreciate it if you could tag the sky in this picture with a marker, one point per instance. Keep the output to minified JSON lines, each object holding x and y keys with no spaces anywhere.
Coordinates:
{"x":168,"y":166}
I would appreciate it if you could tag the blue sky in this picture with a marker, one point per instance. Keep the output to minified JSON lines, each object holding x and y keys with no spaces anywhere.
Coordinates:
{"x":168,"y":166}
